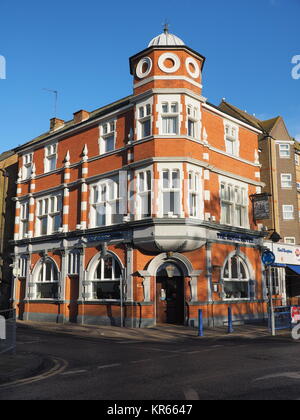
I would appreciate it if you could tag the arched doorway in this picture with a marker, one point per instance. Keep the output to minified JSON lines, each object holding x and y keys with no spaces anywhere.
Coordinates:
{"x":169,"y":294}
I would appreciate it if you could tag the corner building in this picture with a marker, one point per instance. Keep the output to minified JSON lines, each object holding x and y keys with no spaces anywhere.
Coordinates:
{"x":139,"y":212}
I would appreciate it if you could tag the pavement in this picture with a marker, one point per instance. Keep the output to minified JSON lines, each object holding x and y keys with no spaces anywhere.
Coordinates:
{"x":22,"y":365}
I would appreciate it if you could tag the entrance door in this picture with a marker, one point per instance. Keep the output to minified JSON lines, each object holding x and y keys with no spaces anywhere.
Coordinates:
{"x":169,"y":295}
{"x":74,"y":293}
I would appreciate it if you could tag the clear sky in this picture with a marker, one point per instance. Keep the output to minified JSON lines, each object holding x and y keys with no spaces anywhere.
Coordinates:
{"x":81,"y":49}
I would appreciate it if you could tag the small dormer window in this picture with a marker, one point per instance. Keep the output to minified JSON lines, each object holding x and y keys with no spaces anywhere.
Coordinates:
{"x":27,"y":165}
{"x":107,"y":137}
{"x":231,"y":139}
{"x":50,"y":158}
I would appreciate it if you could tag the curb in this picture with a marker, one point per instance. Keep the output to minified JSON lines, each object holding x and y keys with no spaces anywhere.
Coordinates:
{"x":38,"y":365}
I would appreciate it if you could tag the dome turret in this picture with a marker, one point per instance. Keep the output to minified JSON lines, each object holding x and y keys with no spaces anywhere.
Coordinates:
{"x":166,"y":39}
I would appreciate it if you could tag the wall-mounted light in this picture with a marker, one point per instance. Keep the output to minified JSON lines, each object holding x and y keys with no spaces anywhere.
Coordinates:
{"x":170,"y":269}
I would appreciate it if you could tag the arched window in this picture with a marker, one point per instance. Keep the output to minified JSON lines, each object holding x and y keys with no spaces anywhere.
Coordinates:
{"x":236,"y":279}
{"x":47,"y":281}
{"x":106,"y":279}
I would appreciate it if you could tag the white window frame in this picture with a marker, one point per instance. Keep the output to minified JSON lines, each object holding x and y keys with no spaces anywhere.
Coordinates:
{"x":168,"y":113}
{"x":231,"y":138}
{"x":104,"y":195}
{"x":229,"y":192}
{"x":48,"y":208}
{"x":108,"y":130}
{"x":239,"y":279}
{"x":286,"y":181}
{"x":40,"y":279}
{"x":290,"y":240}
{"x":193,"y":116}
{"x":171,"y":189}
{"x":27,"y":166}
{"x":74,"y":263}
{"x":144,"y":180}
{"x":24,"y":219}
{"x":284,"y":151}
{"x":297,"y":159}
{"x":50,"y":156}
{"x":94,"y":280}
{"x":194,"y":189}
{"x":288,"y":209}
{"x":23,"y":265}
{"x":144,"y":114}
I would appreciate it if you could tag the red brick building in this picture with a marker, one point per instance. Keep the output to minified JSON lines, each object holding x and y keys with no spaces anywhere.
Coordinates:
{"x":140,"y":212}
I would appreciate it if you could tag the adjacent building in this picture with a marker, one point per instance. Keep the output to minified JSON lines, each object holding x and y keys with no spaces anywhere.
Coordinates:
{"x":139,"y":212}
{"x":280,"y":173}
{"x":8,"y":177}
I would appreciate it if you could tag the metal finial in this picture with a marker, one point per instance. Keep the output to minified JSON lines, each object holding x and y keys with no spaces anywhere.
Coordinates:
{"x":166,"y":27}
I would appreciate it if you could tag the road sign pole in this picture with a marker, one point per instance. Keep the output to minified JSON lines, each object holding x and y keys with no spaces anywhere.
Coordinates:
{"x":271,"y":306}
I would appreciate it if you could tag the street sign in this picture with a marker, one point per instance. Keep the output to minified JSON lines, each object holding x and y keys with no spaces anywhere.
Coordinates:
{"x":295,"y":313}
{"x":268,"y":257}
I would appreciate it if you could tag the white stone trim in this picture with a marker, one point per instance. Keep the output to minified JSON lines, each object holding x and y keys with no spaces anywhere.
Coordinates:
{"x":182,"y":78}
{"x":139,"y":68}
{"x":196,"y":73}
{"x":172,"y":57}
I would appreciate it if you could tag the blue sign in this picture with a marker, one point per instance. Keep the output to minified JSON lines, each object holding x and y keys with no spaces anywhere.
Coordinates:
{"x":268,"y":257}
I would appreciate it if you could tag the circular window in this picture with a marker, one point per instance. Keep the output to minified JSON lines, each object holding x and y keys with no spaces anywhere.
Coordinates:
{"x":192,"y":67}
{"x":144,"y":67}
{"x":169,"y":63}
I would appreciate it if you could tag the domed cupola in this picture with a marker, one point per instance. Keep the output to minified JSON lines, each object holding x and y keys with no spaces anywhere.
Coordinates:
{"x":166,"y":39}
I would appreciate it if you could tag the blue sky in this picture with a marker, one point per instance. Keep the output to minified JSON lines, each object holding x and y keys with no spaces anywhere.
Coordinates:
{"x":82,"y":48}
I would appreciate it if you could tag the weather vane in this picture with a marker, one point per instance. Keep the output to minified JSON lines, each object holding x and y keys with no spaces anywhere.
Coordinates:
{"x":166,"y":26}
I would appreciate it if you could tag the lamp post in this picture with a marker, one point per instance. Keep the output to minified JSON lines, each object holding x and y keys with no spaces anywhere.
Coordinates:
{"x":269,"y":261}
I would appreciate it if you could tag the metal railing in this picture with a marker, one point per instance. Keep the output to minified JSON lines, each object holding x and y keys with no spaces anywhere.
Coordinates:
{"x":8,"y":331}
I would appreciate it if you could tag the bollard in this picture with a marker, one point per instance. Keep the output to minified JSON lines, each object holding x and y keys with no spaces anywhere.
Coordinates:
{"x":230,"y":326}
{"x":200,"y":323}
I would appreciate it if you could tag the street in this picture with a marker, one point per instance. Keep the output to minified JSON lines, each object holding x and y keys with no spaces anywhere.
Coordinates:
{"x":87,"y":368}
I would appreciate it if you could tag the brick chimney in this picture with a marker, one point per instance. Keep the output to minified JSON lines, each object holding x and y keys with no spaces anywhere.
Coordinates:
{"x":80,"y":116}
{"x":56,"y":123}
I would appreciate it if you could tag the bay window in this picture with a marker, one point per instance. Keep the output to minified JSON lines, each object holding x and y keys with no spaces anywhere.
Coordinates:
{"x":194,"y":191}
{"x":171,"y":191}
{"x":170,"y":118}
{"x":144,"y":188}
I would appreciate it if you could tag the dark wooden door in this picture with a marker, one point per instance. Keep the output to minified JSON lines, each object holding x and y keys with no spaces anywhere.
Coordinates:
{"x":74,"y":293}
{"x":170,"y":300}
